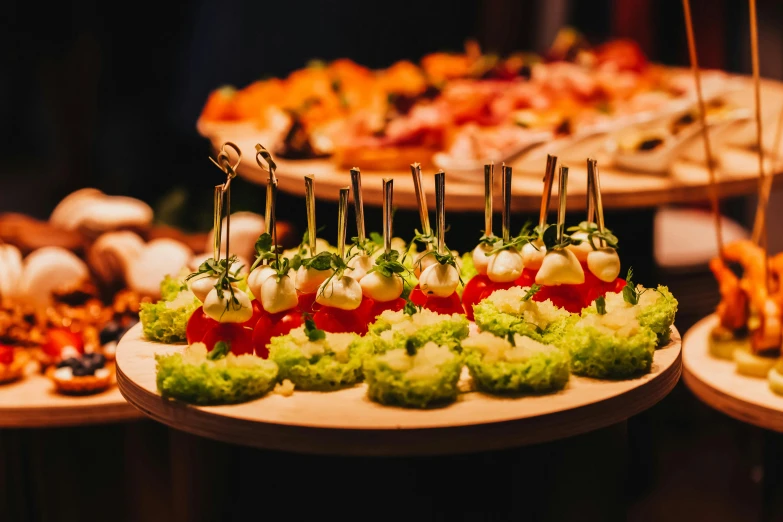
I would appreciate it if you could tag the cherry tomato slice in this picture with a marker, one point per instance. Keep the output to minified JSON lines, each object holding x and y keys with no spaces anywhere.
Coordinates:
{"x":238,"y":337}
{"x":492,"y":286}
{"x":307,"y":302}
{"x":417,"y":297}
{"x":592,"y":288}
{"x":527,"y":279}
{"x":564,"y":296}
{"x":617,"y":286}
{"x":472,"y":293}
{"x":58,"y":339}
{"x":336,"y":320}
{"x":258,"y":311}
{"x":445,"y":305}
{"x":6,"y":354}
{"x":270,"y":326}
{"x":379,"y":307}
{"x":198,"y":324}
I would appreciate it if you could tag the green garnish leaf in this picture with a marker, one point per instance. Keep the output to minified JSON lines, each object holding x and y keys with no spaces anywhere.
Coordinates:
{"x":389,"y":264}
{"x":219,"y":351}
{"x":410,"y":347}
{"x":321,"y":261}
{"x":311,"y":331}
{"x":531,"y":292}
{"x":510,"y":338}
{"x":630,"y":293}
{"x":410,"y":308}
{"x":600,"y":305}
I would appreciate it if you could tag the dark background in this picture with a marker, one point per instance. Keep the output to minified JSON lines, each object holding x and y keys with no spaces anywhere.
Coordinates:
{"x":107,"y":94}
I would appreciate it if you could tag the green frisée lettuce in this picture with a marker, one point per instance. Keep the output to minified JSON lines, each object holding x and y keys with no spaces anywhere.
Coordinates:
{"x":394,"y":329}
{"x":414,"y":378}
{"x":610,"y":346}
{"x":324,"y":362}
{"x":655,"y":309}
{"x":194,"y":377}
{"x":516,"y":364}
{"x":167,"y":320}
{"x":507,"y":311}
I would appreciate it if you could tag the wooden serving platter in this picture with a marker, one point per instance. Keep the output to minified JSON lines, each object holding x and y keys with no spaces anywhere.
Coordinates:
{"x":346,"y":422}
{"x":32,"y":402}
{"x":717,"y":383}
{"x":686,"y":181}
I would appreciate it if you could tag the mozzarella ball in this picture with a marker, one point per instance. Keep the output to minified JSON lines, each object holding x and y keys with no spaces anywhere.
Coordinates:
{"x":582,"y":249}
{"x":343,"y":292}
{"x":505,"y":266}
{"x":533,"y":254}
{"x":422,"y":261}
{"x":360,"y":264}
{"x":604,"y":263}
{"x":278,"y":296}
{"x":560,"y":267}
{"x":439,"y":280}
{"x":308,"y":280}
{"x":202,"y":285}
{"x":223,"y":310}
{"x":257,"y":277}
{"x":481,"y":259}
{"x":380,"y":288}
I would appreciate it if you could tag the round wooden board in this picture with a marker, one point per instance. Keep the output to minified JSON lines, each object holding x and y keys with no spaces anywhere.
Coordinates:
{"x":717,"y":383}
{"x":684,"y":183}
{"x":33,"y":403}
{"x":345,"y":422}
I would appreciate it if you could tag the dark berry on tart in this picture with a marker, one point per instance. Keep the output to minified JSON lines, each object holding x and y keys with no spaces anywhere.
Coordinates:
{"x":12,"y":363}
{"x":84,"y":374}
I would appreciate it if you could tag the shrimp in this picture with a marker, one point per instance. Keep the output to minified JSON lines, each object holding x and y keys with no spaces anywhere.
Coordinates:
{"x":733,"y":307}
{"x":767,"y":335}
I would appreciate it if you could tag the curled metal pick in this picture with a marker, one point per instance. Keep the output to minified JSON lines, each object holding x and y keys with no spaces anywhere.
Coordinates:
{"x":265,"y":161}
{"x":224,"y":161}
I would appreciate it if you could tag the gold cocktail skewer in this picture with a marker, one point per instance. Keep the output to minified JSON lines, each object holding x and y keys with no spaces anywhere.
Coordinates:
{"x":562,"y":188}
{"x":342,"y":221}
{"x":358,"y":204}
{"x":440,"y":209}
{"x":506,"y":209}
{"x":421,"y":199}
{"x":714,"y":197}
{"x":489,"y":174}
{"x":549,"y":177}
{"x":388,"y":195}
{"x":310,"y":208}
{"x":224,"y":163}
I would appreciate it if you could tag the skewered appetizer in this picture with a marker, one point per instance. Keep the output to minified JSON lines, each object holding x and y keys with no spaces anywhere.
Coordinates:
{"x":515,"y":364}
{"x":316,"y":360}
{"x":414,"y":377}
{"x":82,"y":375}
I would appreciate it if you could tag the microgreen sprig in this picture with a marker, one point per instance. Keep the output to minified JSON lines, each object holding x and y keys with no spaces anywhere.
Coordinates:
{"x":389,"y":264}
{"x":312,"y":332}
{"x":591,"y":229}
{"x":630,"y":294}
{"x":600,"y":305}
{"x":534,"y":289}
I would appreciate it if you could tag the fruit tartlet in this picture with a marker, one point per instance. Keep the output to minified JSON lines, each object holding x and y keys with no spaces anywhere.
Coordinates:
{"x":81,"y":375}
{"x":13,"y":362}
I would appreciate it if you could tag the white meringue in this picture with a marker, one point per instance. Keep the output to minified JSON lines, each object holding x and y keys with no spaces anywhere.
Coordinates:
{"x":93,"y":211}
{"x":113,"y":253}
{"x":50,"y":269}
{"x":245,"y":229}
{"x":160,"y":258}
{"x":10,"y":272}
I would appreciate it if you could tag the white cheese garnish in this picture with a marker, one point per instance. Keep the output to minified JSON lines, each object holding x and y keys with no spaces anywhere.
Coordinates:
{"x":604,"y":263}
{"x":533,"y":254}
{"x":439,"y":280}
{"x":505,"y":266}
{"x":560,"y":267}
{"x":380,"y":288}
{"x":278,"y":296}
{"x":342,"y":292}
{"x":63,"y":374}
{"x":581,"y":250}
{"x":257,"y":277}
{"x":361,"y":264}
{"x":481,"y":259}
{"x":223,"y":311}
{"x":308,"y":280}
{"x":102,"y":373}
